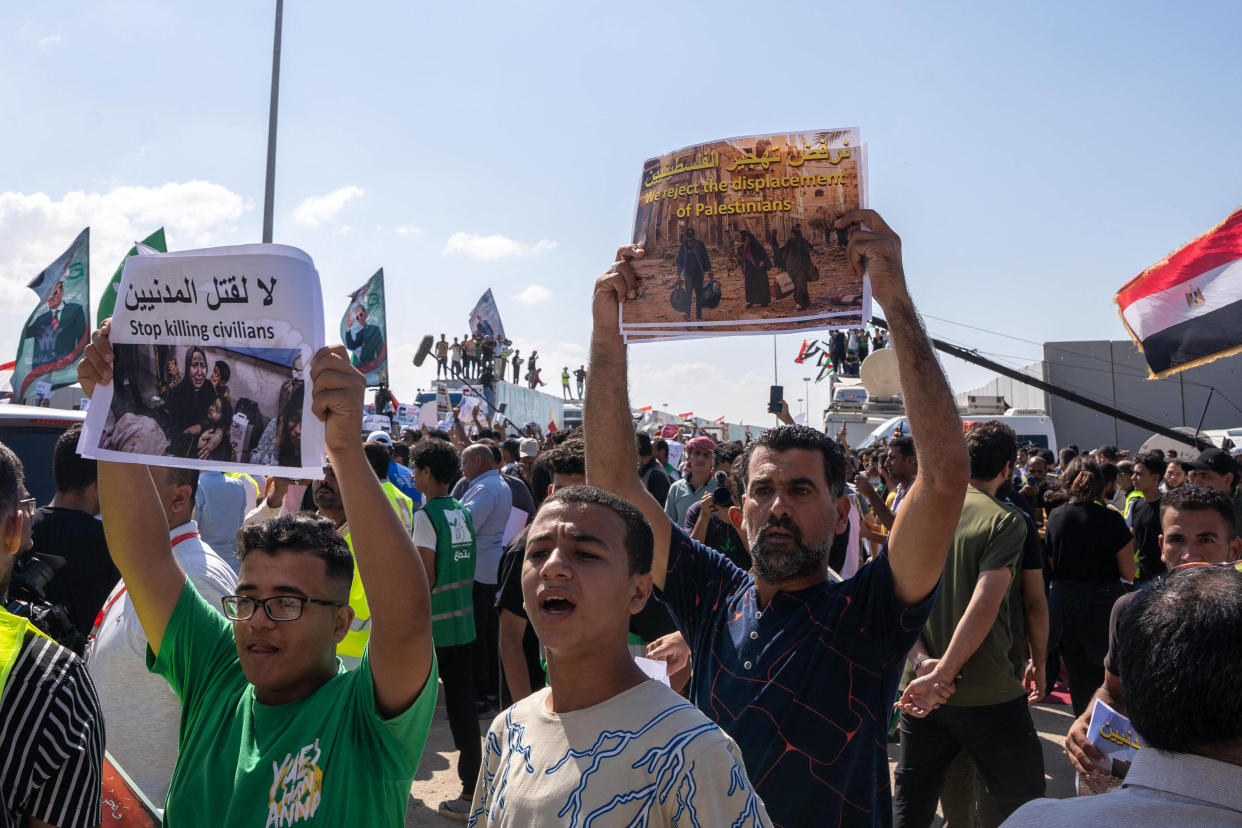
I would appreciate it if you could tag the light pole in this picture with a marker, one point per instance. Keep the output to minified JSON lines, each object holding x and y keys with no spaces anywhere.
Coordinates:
{"x":806,"y":390}
{"x":269,"y":190}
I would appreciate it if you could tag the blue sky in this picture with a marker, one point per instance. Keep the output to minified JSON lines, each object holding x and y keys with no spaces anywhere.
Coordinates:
{"x":1032,"y":158}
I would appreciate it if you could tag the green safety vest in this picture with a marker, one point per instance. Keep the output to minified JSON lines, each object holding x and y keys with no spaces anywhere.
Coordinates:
{"x":13,"y":631}
{"x":452,"y":608}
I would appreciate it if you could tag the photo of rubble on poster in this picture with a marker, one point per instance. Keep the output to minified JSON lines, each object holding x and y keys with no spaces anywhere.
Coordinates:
{"x":739,"y":232}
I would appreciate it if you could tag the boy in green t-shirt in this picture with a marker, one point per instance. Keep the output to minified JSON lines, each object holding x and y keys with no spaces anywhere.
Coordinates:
{"x":274,"y":731}
{"x":444,"y":535}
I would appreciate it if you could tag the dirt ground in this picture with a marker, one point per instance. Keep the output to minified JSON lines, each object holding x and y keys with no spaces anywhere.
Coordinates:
{"x":660,"y":277}
{"x":437,"y":774}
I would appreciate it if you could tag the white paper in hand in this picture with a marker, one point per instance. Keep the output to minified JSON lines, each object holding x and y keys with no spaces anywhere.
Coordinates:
{"x":202,"y":335}
{"x":657,"y":670}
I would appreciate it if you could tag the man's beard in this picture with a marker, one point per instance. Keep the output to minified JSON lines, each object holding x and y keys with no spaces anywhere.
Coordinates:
{"x":773,"y":566}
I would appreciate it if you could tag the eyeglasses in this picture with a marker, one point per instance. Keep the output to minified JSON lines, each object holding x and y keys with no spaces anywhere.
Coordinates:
{"x":278,"y":607}
{"x":27,"y":505}
{"x":1225,"y":565}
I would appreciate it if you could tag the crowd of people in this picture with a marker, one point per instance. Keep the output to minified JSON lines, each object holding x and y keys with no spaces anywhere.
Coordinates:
{"x":269,"y":651}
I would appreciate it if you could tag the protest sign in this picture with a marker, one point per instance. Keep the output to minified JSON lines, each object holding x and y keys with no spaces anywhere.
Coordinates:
{"x":485,"y":318}
{"x":376,"y":422}
{"x":1113,"y":736}
{"x":123,"y":804}
{"x":56,"y":333}
{"x":212,"y":352}
{"x":739,"y":237}
{"x":154,"y":243}
{"x":364,"y":330}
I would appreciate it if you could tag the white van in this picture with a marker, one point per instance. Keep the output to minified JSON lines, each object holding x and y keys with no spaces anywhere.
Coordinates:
{"x":1032,"y":429}
{"x":1225,"y":438}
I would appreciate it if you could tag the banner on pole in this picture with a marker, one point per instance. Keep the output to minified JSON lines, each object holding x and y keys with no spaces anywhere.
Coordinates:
{"x":364,"y":330}
{"x":56,"y":333}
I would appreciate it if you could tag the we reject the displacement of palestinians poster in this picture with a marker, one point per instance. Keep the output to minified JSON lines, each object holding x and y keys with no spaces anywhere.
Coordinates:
{"x":739,"y":237}
{"x":364,"y":330}
{"x":56,"y":333}
{"x":212,"y":359}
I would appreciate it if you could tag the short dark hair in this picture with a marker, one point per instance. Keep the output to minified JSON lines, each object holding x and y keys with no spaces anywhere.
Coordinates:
{"x":1047,"y":456}
{"x":438,"y":457}
{"x":1108,"y":471}
{"x":184,"y":477}
{"x":1108,"y":454}
{"x":1189,"y":498}
{"x":1067,"y":455}
{"x":639,"y":542}
{"x":787,"y":437}
{"x":512,"y":447}
{"x":300,"y":533}
{"x":400,"y":451}
{"x":223,"y":368}
{"x":12,"y":475}
{"x":642,"y":443}
{"x":1153,"y":461}
{"x":905,"y":444}
{"x":991,"y":445}
{"x":437,"y":434}
{"x":1181,"y":656}
{"x":726,"y":453}
{"x":659,"y":444}
{"x":378,"y":455}
{"x":71,"y":471}
{"x":569,"y":458}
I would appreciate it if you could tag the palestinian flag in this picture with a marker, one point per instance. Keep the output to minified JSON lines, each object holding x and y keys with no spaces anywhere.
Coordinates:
{"x":1187,"y":310}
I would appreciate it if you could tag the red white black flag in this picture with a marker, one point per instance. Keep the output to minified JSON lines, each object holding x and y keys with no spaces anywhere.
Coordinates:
{"x":1187,"y":310}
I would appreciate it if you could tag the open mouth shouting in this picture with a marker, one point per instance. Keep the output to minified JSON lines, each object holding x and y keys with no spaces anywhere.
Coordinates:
{"x":555,"y":605}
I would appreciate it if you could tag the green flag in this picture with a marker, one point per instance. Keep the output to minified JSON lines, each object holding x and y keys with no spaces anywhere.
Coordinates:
{"x":108,"y":301}
{"x":56,"y":333}
{"x":364,"y":330}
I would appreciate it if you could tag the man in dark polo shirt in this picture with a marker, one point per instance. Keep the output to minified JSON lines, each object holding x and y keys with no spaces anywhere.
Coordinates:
{"x":1216,"y":468}
{"x":1197,"y":525}
{"x":1144,"y":516}
{"x":802,"y":673}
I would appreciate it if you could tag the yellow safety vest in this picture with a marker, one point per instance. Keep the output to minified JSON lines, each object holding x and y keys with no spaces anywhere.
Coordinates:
{"x":13,"y":631}
{"x":355,"y":641}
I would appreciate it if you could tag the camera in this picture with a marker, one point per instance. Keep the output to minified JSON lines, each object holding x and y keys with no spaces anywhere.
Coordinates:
{"x":28,"y":599}
{"x":721,"y":493}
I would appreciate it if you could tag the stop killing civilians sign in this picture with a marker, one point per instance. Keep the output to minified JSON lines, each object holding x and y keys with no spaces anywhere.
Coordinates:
{"x":1186,"y":310}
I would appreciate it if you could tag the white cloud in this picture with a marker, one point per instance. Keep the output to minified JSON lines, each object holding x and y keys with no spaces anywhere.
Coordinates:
{"x":409,"y":230}
{"x":533,"y":295}
{"x":344,"y":230}
{"x":44,"y":42}
{"x":34,"y":228}
{"x":474,"y":246}
{"x":316,"y":210}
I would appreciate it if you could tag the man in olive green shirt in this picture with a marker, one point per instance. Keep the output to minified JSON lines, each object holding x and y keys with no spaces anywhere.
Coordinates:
{"x":961,"y":689}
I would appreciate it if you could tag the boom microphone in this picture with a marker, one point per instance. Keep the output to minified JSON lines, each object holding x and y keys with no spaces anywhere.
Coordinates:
{"x":424,"y":348}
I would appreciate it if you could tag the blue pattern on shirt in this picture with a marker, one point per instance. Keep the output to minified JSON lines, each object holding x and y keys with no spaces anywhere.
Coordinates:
{"x":804,"y":687}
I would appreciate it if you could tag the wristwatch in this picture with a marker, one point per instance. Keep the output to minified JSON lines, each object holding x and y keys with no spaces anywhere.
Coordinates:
{"x":919,"y":659}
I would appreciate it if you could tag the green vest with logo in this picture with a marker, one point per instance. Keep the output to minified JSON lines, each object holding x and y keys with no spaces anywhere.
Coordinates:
{"x":452,"y":608}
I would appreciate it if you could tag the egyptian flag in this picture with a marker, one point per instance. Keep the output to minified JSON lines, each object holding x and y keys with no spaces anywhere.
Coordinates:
{"x":718,"y":420}
{"x":645,"y":408}
{"x":1187,"y":310}
{"x":687,"y":415}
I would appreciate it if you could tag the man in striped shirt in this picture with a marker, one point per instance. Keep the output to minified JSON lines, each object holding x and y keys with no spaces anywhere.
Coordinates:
{"x":50,"y":724}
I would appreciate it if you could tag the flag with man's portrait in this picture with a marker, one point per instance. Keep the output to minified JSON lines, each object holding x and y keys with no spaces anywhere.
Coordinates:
{"x":56,"y":333}
{"x":1187,"y":309}
{"x":365,"y":332}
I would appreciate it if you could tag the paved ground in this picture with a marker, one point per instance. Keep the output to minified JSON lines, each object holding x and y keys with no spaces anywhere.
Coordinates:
{"x":437,"y":774}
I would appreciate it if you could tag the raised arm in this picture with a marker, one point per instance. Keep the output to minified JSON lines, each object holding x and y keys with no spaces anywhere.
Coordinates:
{"x":928,"y":516}
{"x":133,"y":518}
{"x":389,"y":567}
{"x":611,"y":458}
